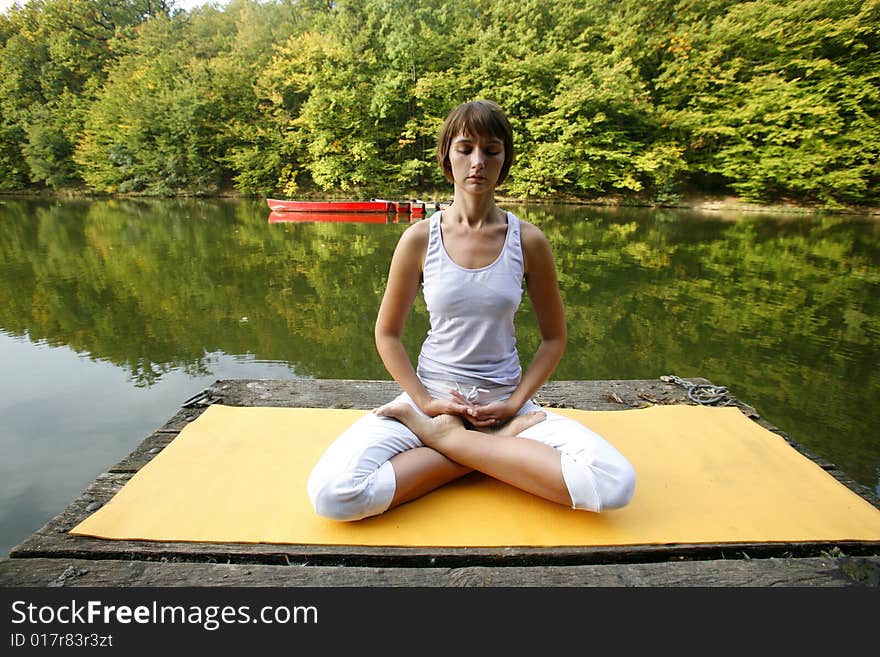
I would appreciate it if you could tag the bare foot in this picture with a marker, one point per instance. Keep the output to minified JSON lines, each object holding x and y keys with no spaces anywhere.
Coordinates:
{"x":517,"y":424}
{"x":428,"y":429}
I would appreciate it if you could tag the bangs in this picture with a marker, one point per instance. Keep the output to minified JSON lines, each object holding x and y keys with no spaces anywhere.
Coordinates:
{"x":477,"y":120}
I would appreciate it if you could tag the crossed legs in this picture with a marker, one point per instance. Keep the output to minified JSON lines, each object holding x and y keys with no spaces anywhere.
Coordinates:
{"x":526,"y":464}
{"x":397,"y":454}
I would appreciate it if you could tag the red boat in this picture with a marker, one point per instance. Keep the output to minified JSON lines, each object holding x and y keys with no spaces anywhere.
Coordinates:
{"x":375,"y":205}
{"x":329,"y":206}
{"x":404,"y":207}
{"x":343,"y":217}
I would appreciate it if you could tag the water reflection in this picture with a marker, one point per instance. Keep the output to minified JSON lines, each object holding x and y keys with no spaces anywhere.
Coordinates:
{"x":339,"y":217}
{"x":783,"y":311}
{"x":155,"y":290}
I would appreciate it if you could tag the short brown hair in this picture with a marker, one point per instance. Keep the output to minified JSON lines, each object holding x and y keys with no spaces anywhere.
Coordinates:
{"x":476,"y":118}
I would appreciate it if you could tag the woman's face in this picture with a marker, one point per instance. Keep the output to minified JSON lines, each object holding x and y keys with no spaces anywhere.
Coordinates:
{"x":476,"y":161}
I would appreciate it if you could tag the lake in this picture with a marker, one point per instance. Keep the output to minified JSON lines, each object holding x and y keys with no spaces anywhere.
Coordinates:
{"x":114,"y":312}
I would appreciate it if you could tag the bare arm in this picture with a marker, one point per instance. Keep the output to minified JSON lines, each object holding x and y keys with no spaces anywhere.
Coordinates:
{"x":543,"y":288}
{"x":404,"y":278}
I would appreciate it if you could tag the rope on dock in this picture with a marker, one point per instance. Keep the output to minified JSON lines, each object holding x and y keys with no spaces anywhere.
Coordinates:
{"x":203,"y":398}
{"x":699,"y":393}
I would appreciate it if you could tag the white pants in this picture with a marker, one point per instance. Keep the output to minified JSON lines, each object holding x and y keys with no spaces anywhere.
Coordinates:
{"x":354,"y":478}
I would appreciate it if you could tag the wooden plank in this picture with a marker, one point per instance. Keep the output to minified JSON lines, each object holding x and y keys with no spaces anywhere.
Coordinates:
{"x":144,"y":453}
{"x":813,"y":572}
{"x":180,"y":419}
{"x":364,"y":394}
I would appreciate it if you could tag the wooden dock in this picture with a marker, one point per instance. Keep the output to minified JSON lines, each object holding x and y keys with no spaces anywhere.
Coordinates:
{"x":52,"y":557}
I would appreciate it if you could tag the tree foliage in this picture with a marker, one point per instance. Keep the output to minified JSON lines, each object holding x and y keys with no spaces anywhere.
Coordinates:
{"x":769,"y":99}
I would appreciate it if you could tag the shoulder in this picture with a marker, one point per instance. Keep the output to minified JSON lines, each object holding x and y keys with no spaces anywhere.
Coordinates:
{"x":417,"y":234}
{"x":532,"y":237}
{"x":531,"y":233}
{"x":414,"y":241}
{"x":535,"y":245}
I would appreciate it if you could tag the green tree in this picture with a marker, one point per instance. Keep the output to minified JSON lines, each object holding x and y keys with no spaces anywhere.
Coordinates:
{"x":54,"y":58}
{"x":768,"y":99}
{"x":781,"y":98}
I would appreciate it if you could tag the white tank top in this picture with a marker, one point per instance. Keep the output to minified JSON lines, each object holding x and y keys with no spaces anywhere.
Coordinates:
{"x":471,"y":337}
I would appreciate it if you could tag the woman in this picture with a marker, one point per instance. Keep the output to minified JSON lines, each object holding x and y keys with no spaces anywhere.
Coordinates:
{"x":468,"y":405}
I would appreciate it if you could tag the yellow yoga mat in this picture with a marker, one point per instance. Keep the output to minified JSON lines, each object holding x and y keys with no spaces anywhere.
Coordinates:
{"x":705,"y":475}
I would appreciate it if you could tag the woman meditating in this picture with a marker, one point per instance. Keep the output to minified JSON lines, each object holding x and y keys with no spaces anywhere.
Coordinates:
{"x":467,"y":406}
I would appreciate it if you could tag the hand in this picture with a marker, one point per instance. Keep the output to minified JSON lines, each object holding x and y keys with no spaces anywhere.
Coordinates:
{"x":448,"y":407}
{"x":491,"y":415}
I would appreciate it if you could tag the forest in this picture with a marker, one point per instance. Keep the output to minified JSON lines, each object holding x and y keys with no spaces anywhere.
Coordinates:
{"x":768,"y":100}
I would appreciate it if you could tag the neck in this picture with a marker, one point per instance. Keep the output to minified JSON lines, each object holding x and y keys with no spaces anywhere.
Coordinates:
{"x":474,"y":210}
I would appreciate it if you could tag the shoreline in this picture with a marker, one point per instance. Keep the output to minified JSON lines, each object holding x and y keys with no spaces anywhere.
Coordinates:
{"x":707,"y":203}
